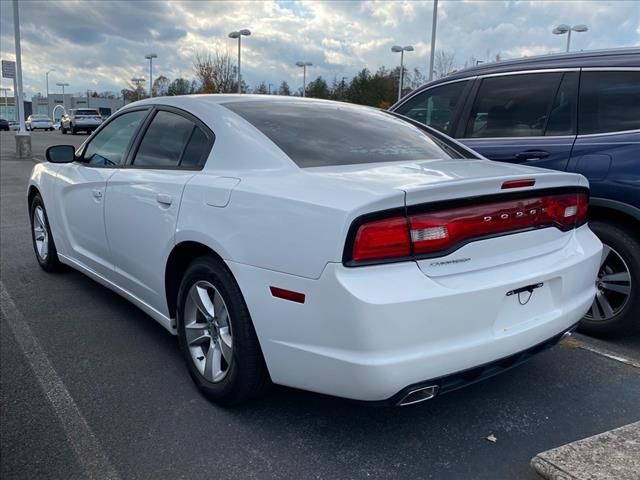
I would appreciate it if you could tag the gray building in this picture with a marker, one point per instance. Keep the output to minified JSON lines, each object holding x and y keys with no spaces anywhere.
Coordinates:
{"x":55,"y":105}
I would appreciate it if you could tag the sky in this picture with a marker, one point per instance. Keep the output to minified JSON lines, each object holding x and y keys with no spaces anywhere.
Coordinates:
{"x":100,"y":45}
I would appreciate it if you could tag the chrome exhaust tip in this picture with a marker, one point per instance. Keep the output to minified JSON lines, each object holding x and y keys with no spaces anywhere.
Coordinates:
{"x":419,"y":395}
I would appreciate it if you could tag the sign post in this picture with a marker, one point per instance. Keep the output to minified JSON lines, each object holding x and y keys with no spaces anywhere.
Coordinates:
{"x":23,"y":139}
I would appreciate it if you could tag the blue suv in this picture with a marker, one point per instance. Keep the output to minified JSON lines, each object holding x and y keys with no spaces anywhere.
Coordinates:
{"x":578,"y":112}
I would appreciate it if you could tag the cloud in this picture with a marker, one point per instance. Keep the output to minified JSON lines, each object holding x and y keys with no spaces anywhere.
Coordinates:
{"x":100,"y":45}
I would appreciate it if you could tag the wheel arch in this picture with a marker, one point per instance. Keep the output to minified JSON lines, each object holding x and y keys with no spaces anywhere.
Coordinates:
{"x":32,"y":192}
{"x":620,"y":213}
{"x":177,"y":263}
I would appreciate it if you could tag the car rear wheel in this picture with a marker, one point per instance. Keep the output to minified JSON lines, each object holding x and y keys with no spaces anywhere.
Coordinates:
{"x":43,"y":245}
{"x":63,"y":130}
{"x":216,"y":335}
{"x":616,"y":308}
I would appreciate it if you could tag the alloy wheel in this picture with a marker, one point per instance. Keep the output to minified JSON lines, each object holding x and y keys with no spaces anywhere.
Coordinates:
{"x":208,"y":332}
{"x":613,"y":286}
{"x":40,"y":235}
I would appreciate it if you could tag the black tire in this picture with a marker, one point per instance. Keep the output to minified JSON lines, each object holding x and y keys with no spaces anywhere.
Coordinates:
{"x":74,"y":131}
{"x":247,"y":376}
{"x":50,"y":262}
{"x":63,"y":130}
{"x":627,"y":246}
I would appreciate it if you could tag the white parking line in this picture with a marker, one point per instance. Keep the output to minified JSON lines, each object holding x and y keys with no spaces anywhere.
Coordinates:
{"x":81,"y":438}
{"x":575,"y":343}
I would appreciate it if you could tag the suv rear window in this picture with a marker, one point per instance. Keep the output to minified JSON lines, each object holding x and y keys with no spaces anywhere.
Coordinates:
{"x":315,"y":134}
{"x":609,"y":102}
{"x":86,"y":112}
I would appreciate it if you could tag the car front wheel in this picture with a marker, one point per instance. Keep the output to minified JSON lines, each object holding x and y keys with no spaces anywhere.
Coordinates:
{"x":616,"y":308}
{"x":216,"y":335}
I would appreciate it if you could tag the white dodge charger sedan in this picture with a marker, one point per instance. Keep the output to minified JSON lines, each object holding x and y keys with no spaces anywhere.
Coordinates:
{"x":320,"y":245}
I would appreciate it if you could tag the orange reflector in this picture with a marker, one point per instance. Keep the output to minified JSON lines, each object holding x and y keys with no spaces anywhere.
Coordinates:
{"x":287,"y":294}
{"x":527,"y":182}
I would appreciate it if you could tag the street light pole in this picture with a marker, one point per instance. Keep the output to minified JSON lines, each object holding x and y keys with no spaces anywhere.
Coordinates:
{"x":304,"y":66}
{"x":433,"y":38}
{"x":47,"y":82}
{"x":398,"y":48}
{"x":18,"y":90}
{"x":238,"y":34}
{"x":150,"y":57}
{"x":562,"y":29}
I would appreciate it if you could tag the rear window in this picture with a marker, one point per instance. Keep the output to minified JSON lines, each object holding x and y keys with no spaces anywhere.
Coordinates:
{"x":325,"y":134}
{"x":86,"y":112}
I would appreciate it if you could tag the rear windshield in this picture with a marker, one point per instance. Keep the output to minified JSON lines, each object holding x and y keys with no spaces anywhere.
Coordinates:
{"x":86,"y":112}
{"x":315,"y":134}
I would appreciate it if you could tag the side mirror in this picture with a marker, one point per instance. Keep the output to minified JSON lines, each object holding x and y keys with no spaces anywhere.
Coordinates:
{"x":61,"y":154}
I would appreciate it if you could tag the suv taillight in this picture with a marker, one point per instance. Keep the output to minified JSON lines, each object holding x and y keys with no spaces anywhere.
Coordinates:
{"x":439,"y":232}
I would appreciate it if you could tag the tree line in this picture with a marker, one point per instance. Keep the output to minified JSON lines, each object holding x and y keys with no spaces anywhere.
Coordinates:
{"x":217,"y":73}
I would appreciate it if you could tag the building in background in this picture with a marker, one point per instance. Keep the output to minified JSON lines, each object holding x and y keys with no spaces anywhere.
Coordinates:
{"x":55,"y":105}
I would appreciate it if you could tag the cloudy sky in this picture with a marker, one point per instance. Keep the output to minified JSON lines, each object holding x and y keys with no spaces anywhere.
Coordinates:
{"x":100,"y":45}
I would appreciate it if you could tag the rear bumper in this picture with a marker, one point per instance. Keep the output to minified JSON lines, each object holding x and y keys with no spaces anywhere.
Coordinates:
{"x":371,"y":333}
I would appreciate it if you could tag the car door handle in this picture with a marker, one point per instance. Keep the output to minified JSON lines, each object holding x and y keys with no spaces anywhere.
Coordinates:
{"x":531,"y":155}
{"x":164,"y":199}
{"x":97,"y":193}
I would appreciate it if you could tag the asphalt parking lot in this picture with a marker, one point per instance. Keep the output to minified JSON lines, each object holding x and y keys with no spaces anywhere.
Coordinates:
{"x":145,"y":419}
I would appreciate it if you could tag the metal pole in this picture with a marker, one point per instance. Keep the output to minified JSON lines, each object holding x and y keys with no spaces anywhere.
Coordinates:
{"x":150,"y":76}
{"x":48,"y":109}
{"x":239,"y":77}
{"x":304,"y":81}
{"x":401,"y":75}
{"x":18,"y":91}
{"x":569,"y":40}
{"x":433,"y":38}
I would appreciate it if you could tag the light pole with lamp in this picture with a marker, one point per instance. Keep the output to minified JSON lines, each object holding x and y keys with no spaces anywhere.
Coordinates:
{"x":562,"y":29}
{"x":246,"y":32}
{"x":47,"y":82}
{"x":304,"y":66}
{"x":64,"y":102}
{"x":396,"y":49}
{"x":150,"y":57}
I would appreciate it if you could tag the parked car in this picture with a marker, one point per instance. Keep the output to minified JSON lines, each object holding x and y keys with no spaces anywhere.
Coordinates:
{"x":13,"y":125}
{"x":325,"y":246}
{"x":577,"y":112}
{"x":4,"y":125}
{"x":38,"y":122}
{"x":80,"y":120}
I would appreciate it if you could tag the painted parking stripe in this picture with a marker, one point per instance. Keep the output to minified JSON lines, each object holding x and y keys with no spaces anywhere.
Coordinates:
{"x":80,"y":437}
{"x":575,"y":343}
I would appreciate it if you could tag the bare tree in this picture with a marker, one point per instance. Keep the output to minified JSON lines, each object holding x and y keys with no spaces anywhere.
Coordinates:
{"x":445,"y":63}
{"x":216,"y":73}
{"x":160,"y":86}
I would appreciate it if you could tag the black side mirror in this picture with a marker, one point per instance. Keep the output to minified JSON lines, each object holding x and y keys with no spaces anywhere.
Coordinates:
{"x":61,"y":154}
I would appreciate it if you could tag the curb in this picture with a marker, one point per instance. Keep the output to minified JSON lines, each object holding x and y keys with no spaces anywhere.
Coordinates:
{"x":610,"y":455}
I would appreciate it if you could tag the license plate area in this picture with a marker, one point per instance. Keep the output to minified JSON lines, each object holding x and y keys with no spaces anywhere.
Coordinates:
{"x":526,"y":306}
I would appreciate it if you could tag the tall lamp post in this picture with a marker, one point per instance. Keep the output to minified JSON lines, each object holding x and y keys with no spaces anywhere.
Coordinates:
{"x":47,"y":82}
{"x":150,"y":57}
{"x":246,"y":32}
{"x":304,"y":66}
{"x":562,"y":29}
{"x":434,"y":24}
{"x":138,"y":81}
{"x":396,"y":49}
{"x":64,"y":102}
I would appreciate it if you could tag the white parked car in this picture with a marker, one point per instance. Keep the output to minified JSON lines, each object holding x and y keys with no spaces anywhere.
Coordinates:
{"x":320,"y":245}
{"x":80,"y":120}
{"x":38,"y":122}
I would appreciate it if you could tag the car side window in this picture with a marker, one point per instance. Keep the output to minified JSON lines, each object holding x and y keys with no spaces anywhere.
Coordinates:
{"x":563,"y":116}
{"x":513,"y":105}
{"x":165,"y":142}
{"x":609,"y":102}
{"x":109,"y":147}
{"x":435,"y":106}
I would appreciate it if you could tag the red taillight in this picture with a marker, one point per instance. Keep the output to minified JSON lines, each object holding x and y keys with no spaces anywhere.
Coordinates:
{"x":527,"y":182}
{"x":287,"y":294}
{"x":382,"y":239}
{"x":442,"y":231}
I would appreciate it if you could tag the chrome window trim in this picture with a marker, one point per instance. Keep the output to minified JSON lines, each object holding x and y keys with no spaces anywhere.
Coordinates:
{"x":525,"y":72}
{"x":608,"y":134}
{"x":552,"y":137}
{"x":611,"y":69}
{"x":419,"y":91}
